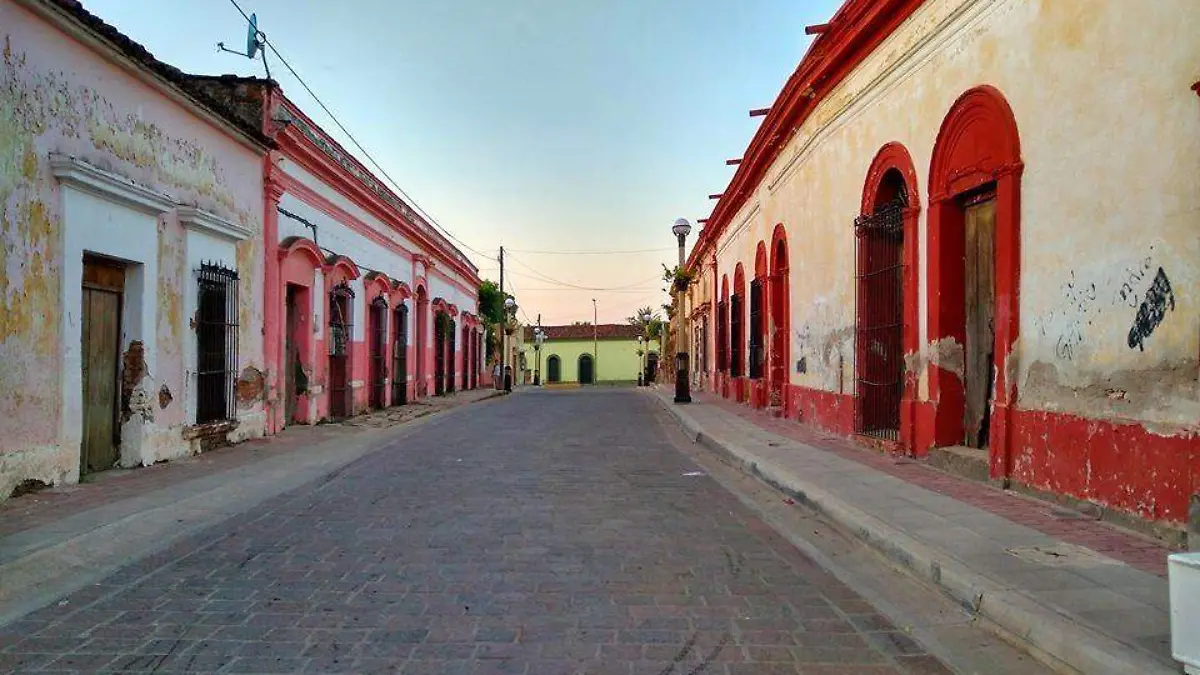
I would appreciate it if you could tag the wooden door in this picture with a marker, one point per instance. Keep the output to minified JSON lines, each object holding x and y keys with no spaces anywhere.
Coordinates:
{"x":980,"y":318}
{"x":291,"y":358}
{"x":378,"y":351}
{"x":400,"y":357}
{"x":101,"y":348}
{"x":553,"y":370}
{"x":586,"y":376}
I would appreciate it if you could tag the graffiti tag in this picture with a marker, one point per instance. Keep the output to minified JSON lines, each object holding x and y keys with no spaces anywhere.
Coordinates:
{"x":1159,"y":300}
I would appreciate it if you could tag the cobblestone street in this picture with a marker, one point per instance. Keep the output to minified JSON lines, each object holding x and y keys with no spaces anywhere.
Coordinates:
{"x":546,"y":533}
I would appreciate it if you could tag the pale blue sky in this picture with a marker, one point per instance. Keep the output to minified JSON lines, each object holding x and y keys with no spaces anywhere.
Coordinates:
{"x":536,"y":124}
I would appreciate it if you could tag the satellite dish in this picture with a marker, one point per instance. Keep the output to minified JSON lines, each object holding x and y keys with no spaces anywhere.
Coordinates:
{"x":252,"y":37}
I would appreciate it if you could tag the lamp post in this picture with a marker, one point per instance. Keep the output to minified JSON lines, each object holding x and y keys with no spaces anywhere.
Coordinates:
{"x":641,"y":365}
{"x":510,"y":307}
{"x":646,"y":316}
{"x":538,"y":338}
{"x":681,"y":229}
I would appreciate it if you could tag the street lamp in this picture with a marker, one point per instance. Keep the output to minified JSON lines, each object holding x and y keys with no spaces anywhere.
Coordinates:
{"x":641,"y":365}
{"x":538,"y":338}
{"x":681,"y":229}
{"x":510,"y":307}
{"x":646,"y":316}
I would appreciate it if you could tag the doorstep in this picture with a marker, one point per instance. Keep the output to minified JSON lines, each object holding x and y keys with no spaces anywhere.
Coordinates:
{"x":1080,"y":592}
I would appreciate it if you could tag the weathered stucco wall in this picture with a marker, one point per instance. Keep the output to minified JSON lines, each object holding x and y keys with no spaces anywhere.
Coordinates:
{"x":1109,"y":251}
{"x":1101,"y":211}
{"x":59,"y":98}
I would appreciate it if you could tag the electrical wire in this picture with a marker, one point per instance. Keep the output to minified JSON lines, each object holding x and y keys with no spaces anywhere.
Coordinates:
{"x":594,"y":252}
{"x":542,"y":277}
{"x":432,"y":221}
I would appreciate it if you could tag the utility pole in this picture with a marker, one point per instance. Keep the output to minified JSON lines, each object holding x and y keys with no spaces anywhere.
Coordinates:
{"x":500,"y":334}
{"x":595,"y":345}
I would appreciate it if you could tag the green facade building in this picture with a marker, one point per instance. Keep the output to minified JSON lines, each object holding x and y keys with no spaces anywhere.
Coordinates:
{"x":585,"y":354}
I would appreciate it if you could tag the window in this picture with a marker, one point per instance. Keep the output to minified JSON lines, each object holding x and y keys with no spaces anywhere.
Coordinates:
{"x":217,"y":343}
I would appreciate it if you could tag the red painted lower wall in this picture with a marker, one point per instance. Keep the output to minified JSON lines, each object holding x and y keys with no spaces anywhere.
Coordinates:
{"x":1118,"y":465}
{"x":826,"y":410}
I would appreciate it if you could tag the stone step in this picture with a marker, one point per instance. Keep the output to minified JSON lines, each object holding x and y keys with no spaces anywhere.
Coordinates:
{"x":962,"y":461}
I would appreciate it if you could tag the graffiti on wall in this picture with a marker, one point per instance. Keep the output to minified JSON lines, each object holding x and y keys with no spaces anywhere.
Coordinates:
{"x":1159,"y":300}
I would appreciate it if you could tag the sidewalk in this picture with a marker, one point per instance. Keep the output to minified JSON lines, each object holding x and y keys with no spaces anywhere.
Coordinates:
{"x":64,"y":538}
{"x":1078,"y":590}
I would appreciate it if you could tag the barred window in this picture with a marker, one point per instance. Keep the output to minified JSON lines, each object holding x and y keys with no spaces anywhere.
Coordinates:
{"x":217,"y":343}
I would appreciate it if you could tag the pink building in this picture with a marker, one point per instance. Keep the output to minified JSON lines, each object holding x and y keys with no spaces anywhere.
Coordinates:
{"x":367,"y":304}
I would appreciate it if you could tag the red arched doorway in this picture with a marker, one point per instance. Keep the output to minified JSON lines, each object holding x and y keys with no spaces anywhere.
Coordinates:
{"x":886,"y":331}
{"x":974,"y":274}
{"x":737,"y":325}
{"x":421,"y":344}
{"x":723,"y":359}
{"x":780,"y":319}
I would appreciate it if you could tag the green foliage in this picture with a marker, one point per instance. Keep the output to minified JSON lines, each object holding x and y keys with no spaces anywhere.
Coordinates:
{"x":491,"y":302}
{"x":651,"y":327}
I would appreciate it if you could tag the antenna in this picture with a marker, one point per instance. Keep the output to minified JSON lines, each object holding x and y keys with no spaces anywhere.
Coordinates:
{"x":255,"y":40}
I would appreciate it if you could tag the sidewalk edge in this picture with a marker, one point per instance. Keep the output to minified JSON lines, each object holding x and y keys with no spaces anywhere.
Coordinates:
{"x":1045,"y":629}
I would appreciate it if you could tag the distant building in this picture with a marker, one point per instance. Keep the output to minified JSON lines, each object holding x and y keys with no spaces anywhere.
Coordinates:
{"x":583,"y":354}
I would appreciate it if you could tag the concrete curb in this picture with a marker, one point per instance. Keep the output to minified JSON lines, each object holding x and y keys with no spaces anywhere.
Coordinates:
{"x":1045,"y":630}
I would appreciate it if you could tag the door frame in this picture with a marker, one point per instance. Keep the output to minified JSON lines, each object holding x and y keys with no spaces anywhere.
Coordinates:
{"x":110,"y":286}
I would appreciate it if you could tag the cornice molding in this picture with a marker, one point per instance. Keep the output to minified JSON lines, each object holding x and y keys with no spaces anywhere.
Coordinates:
{"x":198,"y":220}
{"x":80,"y":175}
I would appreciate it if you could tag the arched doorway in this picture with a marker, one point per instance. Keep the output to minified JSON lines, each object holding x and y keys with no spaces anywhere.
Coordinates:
{"x":421,"y":344}
{"x":651,"y":366}
{"x":400,"y":356}
{"x":440,"y":327}
{"x":974,"y":271}
{"x":377,"y":348}
{"x":879,"y":316}
{"x":758,"y":314}
{"x":451,"y":354}
{"x":780,"y":317}
{"x":587,"y":374}
{"x":340,"y":331}
{"x":554,"y":369}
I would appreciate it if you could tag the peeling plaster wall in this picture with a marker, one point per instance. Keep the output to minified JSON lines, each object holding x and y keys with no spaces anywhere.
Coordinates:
{"x":60,"y":98}
{"x":1102,"y":212}
{"x":1109,"y":248}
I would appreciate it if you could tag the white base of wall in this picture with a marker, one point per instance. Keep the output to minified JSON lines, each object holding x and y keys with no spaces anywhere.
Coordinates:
{"x":48,"y":464}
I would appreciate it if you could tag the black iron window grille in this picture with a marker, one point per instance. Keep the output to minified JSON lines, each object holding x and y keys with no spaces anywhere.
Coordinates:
{"x":722,"y":336}
{"x":216,"y":343}
{"x":737,"y":336}
{"x":879,"y":312}
{"x":756,"y":329}
{"x":340,"y":327}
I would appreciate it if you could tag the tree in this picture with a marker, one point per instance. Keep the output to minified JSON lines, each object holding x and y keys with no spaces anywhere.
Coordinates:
{"x":652,"y":327}
{"x":491,"y":309}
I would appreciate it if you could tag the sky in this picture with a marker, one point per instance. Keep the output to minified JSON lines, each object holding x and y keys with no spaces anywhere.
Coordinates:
{"x":539,"y":125}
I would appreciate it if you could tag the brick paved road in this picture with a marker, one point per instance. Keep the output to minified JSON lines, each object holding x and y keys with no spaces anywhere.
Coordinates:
{"x":546,"y":533}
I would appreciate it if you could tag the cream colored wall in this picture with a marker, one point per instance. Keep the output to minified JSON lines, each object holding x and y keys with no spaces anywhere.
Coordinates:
{"x":1110,"y":138}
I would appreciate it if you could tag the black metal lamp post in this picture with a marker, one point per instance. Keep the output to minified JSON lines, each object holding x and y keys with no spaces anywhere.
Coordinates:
{"x":538,"y":338}
{"x":681,"y":229}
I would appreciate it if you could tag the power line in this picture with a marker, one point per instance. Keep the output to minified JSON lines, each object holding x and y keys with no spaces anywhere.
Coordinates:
{"x":432,"y":221}
{"x":542,"y":277}
{"x":630,"y":252}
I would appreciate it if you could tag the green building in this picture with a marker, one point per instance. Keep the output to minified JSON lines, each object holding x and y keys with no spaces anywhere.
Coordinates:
{"x":585,"y":354}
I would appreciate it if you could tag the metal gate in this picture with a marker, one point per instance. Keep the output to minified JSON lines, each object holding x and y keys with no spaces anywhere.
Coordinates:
{"x":378,"y":366}
{"x":439,"y":354}
{"x":756,"y":329}
{"x":400,"y":357}
{"x":217,"y":344}
{"x":879,"y":322}
{"x":340,"y":331}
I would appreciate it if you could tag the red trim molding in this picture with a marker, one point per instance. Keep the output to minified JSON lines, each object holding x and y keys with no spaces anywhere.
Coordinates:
{"x":851,"y":36}
{"x":978,"y":146}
